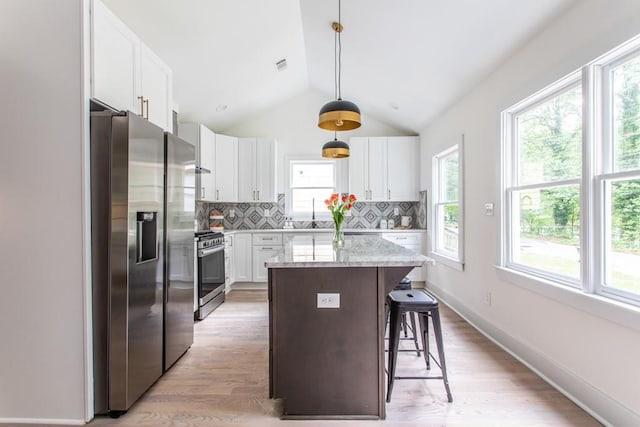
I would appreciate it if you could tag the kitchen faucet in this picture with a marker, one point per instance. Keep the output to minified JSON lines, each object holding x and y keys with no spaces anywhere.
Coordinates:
{"x":314,"y":224}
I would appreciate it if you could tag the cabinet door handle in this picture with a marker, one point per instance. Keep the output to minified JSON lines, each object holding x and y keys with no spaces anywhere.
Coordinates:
{"x":146,"y":101}
{"x":202,"y":193}
{"x":267,"y":238}
{"x":254,"y":194}
{"x":141,"y":98}
{"x":258,"y":198}
{"x":266,"y":249}
{"x":389,"y":194}
{"x":217,"y":194}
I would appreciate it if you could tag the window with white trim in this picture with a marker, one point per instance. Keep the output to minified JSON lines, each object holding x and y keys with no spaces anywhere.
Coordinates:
{"x":311,"y":182}
{"x":447,"y":208}
{"x":571,"y":178}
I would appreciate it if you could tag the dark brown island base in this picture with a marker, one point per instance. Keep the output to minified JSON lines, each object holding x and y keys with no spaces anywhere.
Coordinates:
{"x":326,"y":325}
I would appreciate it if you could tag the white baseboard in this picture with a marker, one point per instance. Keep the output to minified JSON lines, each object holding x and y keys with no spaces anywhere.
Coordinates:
{"x":249,"y":286}
{"x":41,"y":421}
{"x":598,"y":404}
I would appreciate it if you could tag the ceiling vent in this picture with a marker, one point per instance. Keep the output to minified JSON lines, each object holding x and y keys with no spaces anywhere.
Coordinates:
{"x":282,"y":64}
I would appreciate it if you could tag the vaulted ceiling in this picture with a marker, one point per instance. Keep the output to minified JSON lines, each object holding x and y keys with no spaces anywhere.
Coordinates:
{"x":403,"y":61}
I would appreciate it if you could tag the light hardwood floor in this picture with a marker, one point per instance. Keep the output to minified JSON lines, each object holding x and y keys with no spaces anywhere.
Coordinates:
{"x":223,"y":380}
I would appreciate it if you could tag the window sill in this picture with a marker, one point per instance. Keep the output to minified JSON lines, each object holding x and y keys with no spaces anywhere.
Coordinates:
{"x":449,"y":262}
{"x":615,"y":311}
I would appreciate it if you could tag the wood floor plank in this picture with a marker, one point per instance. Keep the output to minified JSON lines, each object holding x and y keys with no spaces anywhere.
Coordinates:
{"x":223,"y":381}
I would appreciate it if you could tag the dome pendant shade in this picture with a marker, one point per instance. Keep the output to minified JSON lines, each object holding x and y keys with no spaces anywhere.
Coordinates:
{"x":339,"y":115}
{"x":335,"y":149}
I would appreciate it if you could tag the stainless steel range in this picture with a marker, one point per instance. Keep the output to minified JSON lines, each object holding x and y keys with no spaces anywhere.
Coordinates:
{"x":210,"y":272}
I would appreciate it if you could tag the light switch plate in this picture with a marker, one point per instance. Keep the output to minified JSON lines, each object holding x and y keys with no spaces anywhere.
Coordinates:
{"x":328,"y":300}
{"x":488,"y":209}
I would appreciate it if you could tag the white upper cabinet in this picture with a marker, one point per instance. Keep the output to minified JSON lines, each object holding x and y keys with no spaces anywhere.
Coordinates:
{"x":377,"y":167}
{"x":384,"y":168}
{"x":125,"y":74}
{"x":226,"y":168}
{"x":246,"y":169}
{"x":205,"y":142}
{"x":358,"y":167}
{"x":115,"y":60}
{"x":256,"y":170}
{"x":156,"y":88}
{"x":402,"y":170}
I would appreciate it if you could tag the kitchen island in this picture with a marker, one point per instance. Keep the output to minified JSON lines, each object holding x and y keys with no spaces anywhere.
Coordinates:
{"x":326,"y":324}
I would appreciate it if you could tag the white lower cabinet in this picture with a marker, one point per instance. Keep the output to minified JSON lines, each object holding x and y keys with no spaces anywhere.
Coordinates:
{"x":260,"y":255}
{"x":229,"y":276}
{"x":265,"y":245}
{"x":414,"y":242}
{"x":242,"y":258}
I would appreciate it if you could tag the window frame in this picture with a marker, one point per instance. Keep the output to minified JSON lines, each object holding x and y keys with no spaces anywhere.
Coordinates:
{"x":511,"y":175}
{"x":321,"y":213}
{"x":596,"y":176}
{"x":450,"y":259}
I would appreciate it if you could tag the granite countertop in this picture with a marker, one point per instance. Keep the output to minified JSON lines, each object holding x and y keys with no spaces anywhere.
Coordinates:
{"x":358,"y":251}
{"x":329,"y":230}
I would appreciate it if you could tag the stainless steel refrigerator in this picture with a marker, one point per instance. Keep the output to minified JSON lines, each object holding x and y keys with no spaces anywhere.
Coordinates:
{"x":133,"y":304}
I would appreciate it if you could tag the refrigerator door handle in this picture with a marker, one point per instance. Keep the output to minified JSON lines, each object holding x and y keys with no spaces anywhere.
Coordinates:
{"x":138,"y":241}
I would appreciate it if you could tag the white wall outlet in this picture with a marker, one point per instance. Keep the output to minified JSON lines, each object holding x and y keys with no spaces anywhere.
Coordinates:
{"x":328,"y":300}
{"x":232,"y":213}
{"x":487,"y":298}
{"x":267,"y":214}
{"x":396,"y":211}
{"x":488,"y":209}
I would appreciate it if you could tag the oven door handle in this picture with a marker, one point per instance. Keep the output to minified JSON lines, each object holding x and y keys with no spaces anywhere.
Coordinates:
{"x":205,"y":252}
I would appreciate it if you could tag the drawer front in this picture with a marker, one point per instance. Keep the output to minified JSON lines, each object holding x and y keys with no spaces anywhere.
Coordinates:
{"x":267,"y":239}
{"x":404,"y":239}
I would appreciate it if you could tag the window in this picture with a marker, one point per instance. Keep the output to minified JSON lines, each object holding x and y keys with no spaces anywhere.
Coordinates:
{"x":571,"y":178}
{"x":447,"y":212}
{"x":310,"y":183}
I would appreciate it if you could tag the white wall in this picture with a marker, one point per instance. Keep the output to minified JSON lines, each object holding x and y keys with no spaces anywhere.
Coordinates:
{"x":594,"y":359}
{"x":294,"y":124}
{"x":41,"y":212}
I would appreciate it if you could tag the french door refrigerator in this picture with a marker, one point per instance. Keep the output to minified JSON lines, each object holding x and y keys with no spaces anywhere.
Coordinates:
{"x":128,"y":163}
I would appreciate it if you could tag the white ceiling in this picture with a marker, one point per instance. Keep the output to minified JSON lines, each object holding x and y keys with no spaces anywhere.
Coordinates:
{"x":403,"y":62}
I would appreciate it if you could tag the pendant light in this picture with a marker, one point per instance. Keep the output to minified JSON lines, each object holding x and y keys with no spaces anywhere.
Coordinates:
{"x":339,"y":115}
{"x":335,"y":149}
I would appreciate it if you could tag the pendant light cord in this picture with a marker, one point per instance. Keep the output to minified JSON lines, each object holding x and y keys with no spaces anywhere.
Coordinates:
{"x":335,"y":64}
{"x":339,"y":51}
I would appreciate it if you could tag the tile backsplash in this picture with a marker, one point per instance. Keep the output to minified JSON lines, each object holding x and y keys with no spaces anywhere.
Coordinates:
{"x":250,"y":216}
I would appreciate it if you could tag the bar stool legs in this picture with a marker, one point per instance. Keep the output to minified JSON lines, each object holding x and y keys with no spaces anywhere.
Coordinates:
{"x":400,"y":303}
{"x":412,"y":319}
{"x":437,"y":331}
{"x":394,"y":339}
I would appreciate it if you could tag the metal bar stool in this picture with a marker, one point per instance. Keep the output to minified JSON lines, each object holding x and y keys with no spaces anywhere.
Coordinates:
{"x":425,"y":305}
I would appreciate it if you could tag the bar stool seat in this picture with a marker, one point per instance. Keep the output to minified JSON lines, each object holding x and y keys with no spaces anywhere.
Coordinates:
{"x":400,"y":303}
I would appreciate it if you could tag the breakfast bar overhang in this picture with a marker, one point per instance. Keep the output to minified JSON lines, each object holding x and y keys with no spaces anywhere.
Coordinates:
{"x":327,"y":324}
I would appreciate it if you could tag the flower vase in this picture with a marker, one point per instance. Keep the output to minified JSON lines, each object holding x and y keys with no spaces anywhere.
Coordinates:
{"x":338,"y":235}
